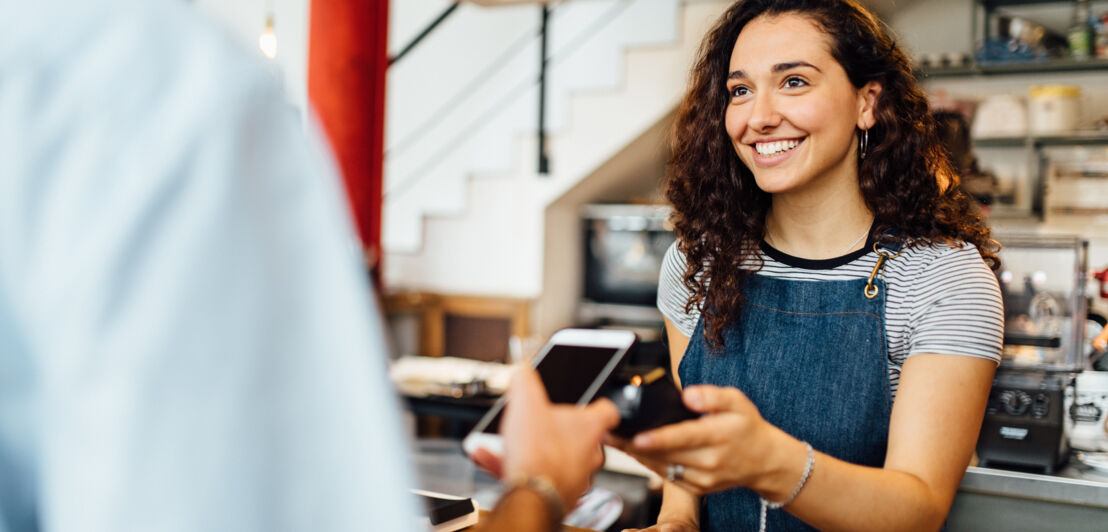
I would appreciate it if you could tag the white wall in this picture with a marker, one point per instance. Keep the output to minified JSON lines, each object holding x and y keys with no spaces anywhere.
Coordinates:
{"x":925,"y":26}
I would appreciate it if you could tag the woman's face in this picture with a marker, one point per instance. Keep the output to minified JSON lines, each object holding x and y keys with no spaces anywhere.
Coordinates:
{"x":793,"y":111}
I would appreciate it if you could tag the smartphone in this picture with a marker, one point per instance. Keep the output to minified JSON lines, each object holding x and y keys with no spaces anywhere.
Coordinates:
{"x":647,"y":401}
{"x":573,"y":365}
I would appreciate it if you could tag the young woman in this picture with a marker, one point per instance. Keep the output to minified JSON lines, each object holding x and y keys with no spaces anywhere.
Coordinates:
{"x":829,"y":302}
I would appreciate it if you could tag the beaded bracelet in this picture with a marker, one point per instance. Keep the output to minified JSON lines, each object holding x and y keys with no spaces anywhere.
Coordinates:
{"x":544,"y":487}
{"x":808,"y":466}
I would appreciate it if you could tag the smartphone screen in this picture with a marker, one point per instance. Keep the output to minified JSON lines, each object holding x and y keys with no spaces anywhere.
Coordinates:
{"x":568,"y":372}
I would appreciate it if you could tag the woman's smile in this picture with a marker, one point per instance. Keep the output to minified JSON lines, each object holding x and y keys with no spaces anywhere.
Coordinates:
{"x":771,"y":152}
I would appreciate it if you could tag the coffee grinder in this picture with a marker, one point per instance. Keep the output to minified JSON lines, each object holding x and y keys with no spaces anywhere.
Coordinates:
{"x":1042,"y":280}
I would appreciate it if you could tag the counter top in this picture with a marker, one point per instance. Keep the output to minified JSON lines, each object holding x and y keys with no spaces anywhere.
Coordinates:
{"x":1074,"y":484}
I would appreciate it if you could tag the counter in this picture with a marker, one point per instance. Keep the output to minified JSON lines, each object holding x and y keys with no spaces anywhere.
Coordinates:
{"x":443,"y":467}
{"x":1074,"y":499}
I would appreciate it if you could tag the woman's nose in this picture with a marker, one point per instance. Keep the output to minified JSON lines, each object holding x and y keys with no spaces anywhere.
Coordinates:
{"x":763,"y":113}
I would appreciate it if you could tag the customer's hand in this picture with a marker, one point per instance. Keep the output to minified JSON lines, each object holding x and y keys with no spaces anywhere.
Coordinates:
{"x":560,"y":442}
{"x":730,"y":446}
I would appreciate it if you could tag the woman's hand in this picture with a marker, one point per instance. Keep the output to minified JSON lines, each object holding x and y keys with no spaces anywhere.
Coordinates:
{"x":1101,"y":340}
{"x":666,"y":527}
{"x":730,"y":446}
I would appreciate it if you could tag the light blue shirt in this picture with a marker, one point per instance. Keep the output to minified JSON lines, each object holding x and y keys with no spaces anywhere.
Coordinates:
{"x":187,"y":340}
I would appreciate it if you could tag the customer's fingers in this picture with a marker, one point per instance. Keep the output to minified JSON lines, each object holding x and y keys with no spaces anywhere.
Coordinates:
{"x":489,"y":462}
{"x":603,"y":414}
{"x":526,"y":389}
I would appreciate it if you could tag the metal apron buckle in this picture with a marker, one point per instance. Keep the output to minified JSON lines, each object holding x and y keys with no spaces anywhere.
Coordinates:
{"x":871,"y":290}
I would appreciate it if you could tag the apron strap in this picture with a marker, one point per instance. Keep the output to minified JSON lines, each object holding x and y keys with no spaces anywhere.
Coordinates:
{"x":884,"y":252}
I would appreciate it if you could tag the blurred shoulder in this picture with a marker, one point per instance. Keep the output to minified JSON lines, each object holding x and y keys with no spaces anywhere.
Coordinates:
{"x":126,"y":52}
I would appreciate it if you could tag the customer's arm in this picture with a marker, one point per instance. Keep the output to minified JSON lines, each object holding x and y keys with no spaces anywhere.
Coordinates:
{"x":207,"y":355}
{"x":550,"y":454}
{"x":523,"y":511}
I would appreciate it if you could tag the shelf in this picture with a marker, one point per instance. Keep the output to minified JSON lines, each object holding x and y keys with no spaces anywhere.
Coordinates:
{"x":1002,"y":69}
{"x":1083,"y":138}
{"x":1000,"y":142}
{"x":1010,"y":3}
{"x":1092,"y":138}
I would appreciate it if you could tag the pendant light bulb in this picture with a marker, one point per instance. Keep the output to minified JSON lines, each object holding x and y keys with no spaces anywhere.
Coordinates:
{"x":268,"y":40}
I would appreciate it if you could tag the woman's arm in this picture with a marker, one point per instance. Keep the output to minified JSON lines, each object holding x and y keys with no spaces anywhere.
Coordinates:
{"x":678,"y":343}
{"x":678,"y":505}
{"x":934,"y":425}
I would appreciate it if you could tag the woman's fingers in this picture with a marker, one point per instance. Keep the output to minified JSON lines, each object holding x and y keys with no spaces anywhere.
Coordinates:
{"x":663,"y":527}
{"x":711,"y":399}
{"x":694,"y":433}
{"x":693,"y":479}
{"x":706,"y":459}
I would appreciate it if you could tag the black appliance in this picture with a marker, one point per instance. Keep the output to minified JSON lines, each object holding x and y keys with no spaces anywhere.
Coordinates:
{"x":1042,"y":282}
{"x":624,"y":248}
{"x":1025,"y":422}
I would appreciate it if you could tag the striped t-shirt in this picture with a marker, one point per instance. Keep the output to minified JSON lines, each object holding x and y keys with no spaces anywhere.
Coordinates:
{"x":940,"y":299}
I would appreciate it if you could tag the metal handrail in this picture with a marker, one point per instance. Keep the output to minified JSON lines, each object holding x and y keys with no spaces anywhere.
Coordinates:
{"x":423,"y":34}
{"x":498,"y":107}
{"x":470,"y":87}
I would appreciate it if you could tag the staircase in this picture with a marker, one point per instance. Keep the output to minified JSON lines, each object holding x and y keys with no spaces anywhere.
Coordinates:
{"x":464,"y":203}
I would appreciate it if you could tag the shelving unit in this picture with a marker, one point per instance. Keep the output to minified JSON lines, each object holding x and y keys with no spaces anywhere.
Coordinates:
{"x":1033,"y":184}
{"x":990,"y":6}
{"x":1081,"y":138}
{"x":1033,"y":145}
{"x":983,"y":13}
{"x":1008,"y":69}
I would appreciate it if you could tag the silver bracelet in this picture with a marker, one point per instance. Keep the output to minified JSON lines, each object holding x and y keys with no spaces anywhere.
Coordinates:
{"x":544,"y":487}
{"x":808,"y":466}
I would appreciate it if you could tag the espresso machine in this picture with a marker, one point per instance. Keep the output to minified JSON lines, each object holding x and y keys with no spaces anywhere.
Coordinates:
{"x":1042,"y":280}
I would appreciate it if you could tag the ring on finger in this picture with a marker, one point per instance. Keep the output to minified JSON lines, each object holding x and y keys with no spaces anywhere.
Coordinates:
{"x":675,"y":472}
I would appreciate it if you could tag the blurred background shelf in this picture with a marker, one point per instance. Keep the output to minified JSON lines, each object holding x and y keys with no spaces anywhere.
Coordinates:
{"x":1022,"y":68}
{"x":1077,"y":138}
{"x":992,"y":4}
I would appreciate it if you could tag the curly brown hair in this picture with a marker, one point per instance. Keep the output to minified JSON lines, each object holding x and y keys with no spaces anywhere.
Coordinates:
{"x":906,"y":178}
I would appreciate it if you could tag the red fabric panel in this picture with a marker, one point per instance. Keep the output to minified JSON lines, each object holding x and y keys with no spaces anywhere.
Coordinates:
{"x":347,"y":60}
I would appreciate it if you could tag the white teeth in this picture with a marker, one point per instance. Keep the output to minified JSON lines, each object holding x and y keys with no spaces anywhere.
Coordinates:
{"x":773,"y":148}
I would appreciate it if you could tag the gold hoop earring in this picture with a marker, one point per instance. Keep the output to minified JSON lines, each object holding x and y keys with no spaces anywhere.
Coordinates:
{"x":863,"y":144}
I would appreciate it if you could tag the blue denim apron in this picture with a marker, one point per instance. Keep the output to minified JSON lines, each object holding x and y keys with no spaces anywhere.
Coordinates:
{"x":812,"y":357}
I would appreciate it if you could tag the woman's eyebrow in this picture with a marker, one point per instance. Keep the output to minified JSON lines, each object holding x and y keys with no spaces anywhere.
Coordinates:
{"x":779,"y":67}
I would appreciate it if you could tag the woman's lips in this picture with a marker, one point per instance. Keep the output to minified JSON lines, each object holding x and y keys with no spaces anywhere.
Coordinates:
{"x":775,"y":152}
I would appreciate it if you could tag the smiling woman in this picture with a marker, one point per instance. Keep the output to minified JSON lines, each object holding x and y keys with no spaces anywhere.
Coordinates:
{"x":792,"y":121}
{"x":829,"y":300}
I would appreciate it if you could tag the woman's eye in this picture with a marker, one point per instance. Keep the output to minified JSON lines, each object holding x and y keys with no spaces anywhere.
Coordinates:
{"x":794,"y":83}
{"x":738,"y":91}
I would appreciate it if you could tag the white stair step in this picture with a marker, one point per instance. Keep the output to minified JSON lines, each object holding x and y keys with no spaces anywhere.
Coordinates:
{"x":497,"y":229}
